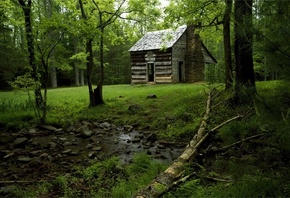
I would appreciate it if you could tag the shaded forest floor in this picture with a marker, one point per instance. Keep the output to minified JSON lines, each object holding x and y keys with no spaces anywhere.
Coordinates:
{"x":248,"y":157}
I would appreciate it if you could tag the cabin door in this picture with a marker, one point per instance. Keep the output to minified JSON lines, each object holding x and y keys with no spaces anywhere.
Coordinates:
{"x":180,"y":71}
{"x":150,"y":72}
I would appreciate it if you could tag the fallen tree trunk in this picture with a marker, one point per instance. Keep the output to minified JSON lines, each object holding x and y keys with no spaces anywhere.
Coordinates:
{"x":165,"y":180}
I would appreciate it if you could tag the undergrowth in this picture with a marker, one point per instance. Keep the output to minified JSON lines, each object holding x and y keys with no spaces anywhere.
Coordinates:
{"x":108,"y":178}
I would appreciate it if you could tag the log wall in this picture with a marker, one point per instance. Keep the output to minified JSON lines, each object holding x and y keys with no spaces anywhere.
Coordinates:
{"x":162,"y":66}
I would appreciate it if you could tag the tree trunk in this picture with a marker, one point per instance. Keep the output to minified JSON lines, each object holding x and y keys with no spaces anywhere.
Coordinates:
{"x":77,"y":75}
{"x":227,"y":44}
{"x":245,"y":78}
{"x":53,"y":77}
{"x":98,"y":92}
{"x":77,"y":71}
{"x":26,"y":7}
{"x":90,"y":60}
{"x":82,"y":78}
{"x":90,"y":64}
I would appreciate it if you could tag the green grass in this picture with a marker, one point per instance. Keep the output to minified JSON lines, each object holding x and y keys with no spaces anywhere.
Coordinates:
{"x":176,"y":105}
{"x":108,"y":178}
{"x":258,"y":168}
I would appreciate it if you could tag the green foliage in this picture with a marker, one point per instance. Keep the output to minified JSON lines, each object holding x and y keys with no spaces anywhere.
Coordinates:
{"x":140,"y":172}
{"x":246,"y":186}
{"x":101,"y":170}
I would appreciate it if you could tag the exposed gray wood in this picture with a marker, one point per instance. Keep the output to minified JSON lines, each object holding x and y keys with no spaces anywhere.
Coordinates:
{"x":164,"y":72}
{"x":139,"y":64}
{"x":139,"y":73}
{"x":163,"y":63}
{"x":163,"y":78}
{"x":138,"y":81}
{"x":139,"y":67}
{"x":138,"y":77}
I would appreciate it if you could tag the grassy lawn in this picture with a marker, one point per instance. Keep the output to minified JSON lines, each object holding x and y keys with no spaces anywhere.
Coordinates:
{"x":181,"y":102}
{"x":258,"y":168}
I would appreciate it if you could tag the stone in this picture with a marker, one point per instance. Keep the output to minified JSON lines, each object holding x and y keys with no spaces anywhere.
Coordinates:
{"x":119,"y":128}
{"x":105,"y":125}
{"x":146,"y":146}
{"x":52,"y":144}
{"x":66,"y":151}
{"x":74,"y":153}
{"x":95,"y":140}
{"x":50,"y":158}
{"x":128,"y":128}
{"x":43,"y":155}
{"x":86,"y":123}
{"x":35,"y":153}
{"x":49,"y":127}
{"x":8,"y":155}
{"x":66,"y":143}
{"x":151,"y":96}
{"x":70,"y":128}
{"x":34,"y":143}
{"x":24,"y":159}
{"x":98,"y":148}
{"x":86,"y":132}
{"x":35,"y":163}
{"x":32,"y":131}
{"x":20,"y":142}
{"x":59,"y":130}
{"x":6,"y":138}
{"x":134,"y":108}
{"x":160,"y":146}
{"x":136,"y":140}
{"x":89,"y":146}
{"x":91,"y":155}
{"x":63,"y":139}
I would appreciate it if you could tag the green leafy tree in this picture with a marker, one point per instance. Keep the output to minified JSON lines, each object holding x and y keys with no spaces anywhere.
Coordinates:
{"x":26,"y":6}
{"x":272,"y":30}
{"x":12,"y":52}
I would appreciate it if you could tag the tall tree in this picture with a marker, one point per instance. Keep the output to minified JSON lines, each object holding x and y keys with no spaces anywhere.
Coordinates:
{"x":90,"y":56}
{"x":26,"y":6}
{"x":272,"y":30}
{"x":227,"y":44}
{"x":245,"y":78}
{"x":104,"y":21}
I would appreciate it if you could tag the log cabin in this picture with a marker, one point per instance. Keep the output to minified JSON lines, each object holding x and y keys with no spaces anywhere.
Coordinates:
{"x":169,"y":56}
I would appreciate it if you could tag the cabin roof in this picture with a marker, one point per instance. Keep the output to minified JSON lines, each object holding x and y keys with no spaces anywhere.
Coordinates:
{"x":158,"y":39}
{"x":166,"y":39}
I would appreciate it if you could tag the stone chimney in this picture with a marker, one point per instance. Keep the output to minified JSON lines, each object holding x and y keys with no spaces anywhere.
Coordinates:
{"x":194,"y":59}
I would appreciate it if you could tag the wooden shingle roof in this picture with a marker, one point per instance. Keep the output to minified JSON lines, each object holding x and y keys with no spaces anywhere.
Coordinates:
{"x":158,"y":39}
{"x":166,"y":39}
